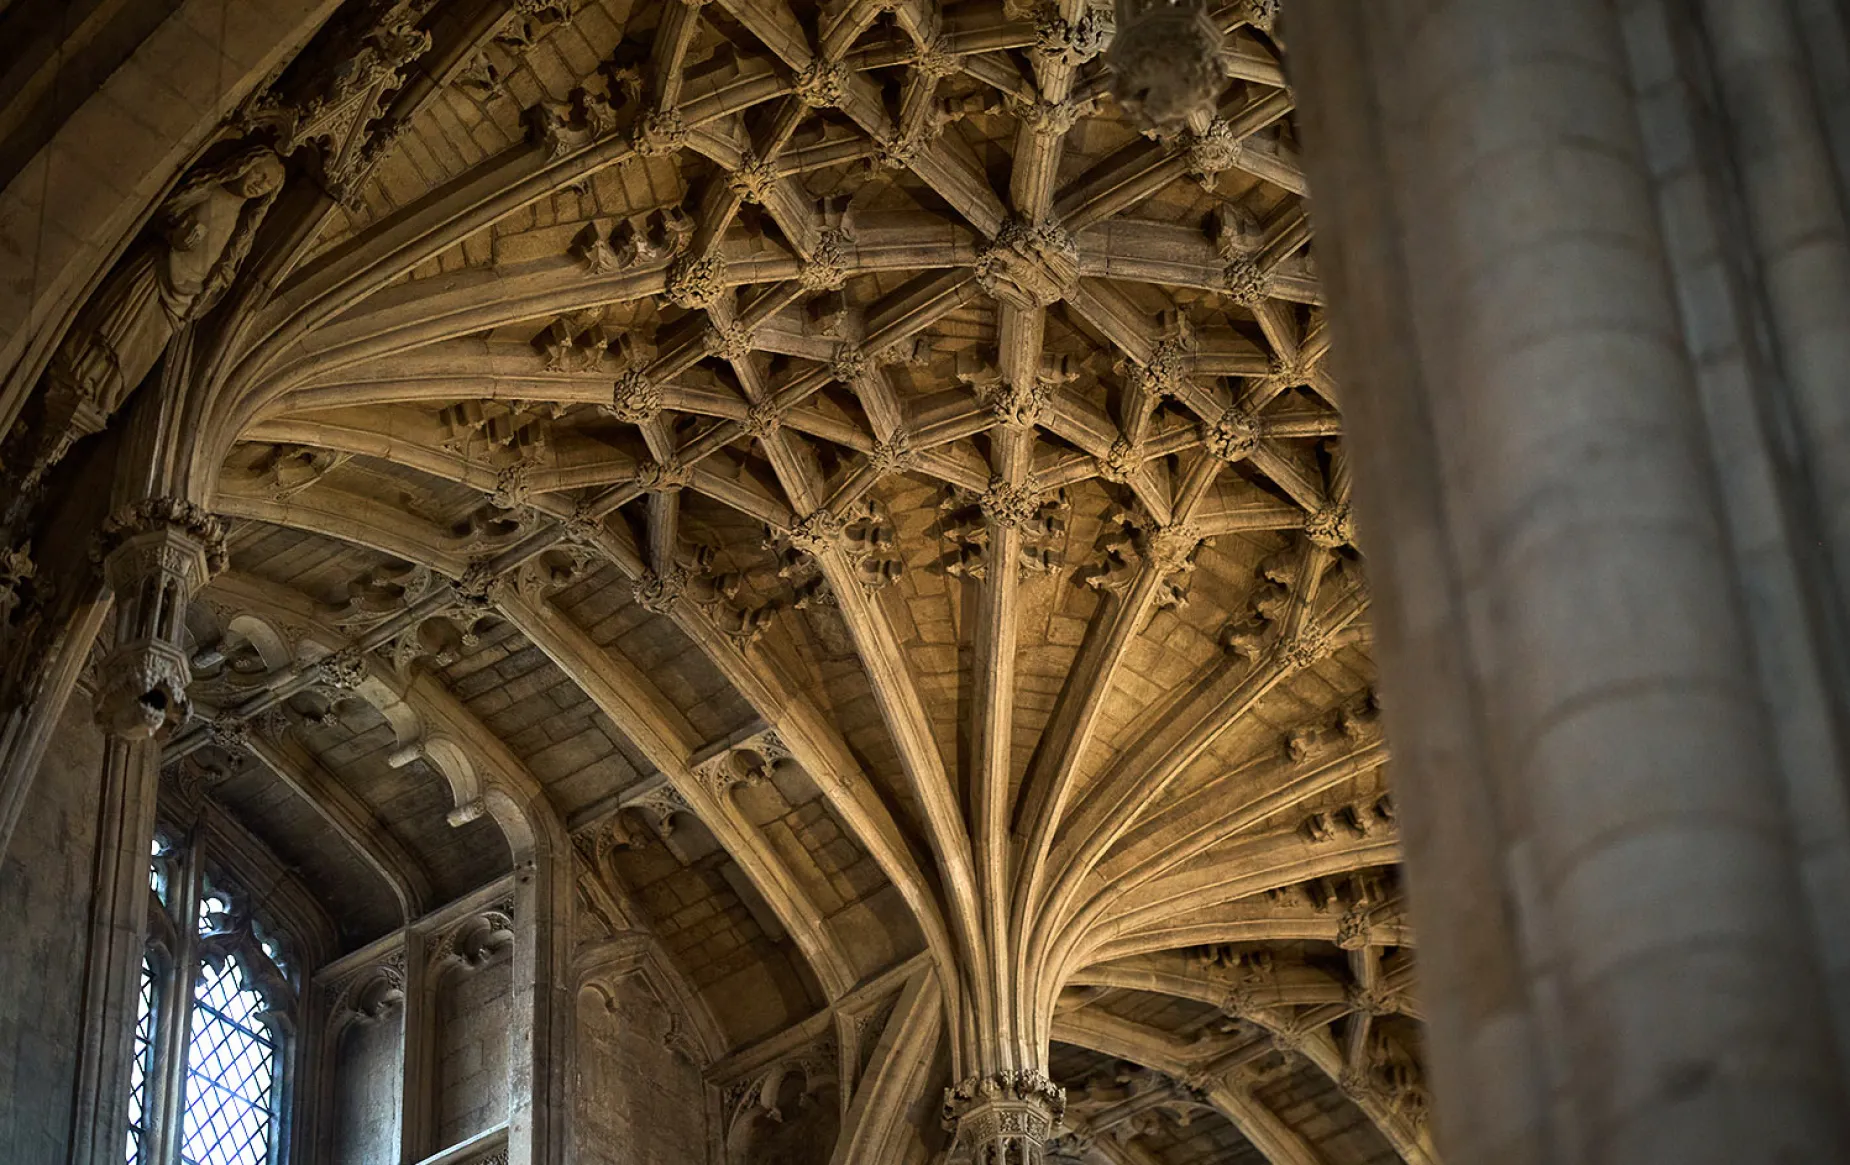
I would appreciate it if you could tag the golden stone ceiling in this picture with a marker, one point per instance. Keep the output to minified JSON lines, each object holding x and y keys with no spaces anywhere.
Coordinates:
{"x":885,"y":504}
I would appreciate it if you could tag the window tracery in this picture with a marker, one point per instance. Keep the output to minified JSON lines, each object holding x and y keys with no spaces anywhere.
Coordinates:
{"x":206,"y":1081}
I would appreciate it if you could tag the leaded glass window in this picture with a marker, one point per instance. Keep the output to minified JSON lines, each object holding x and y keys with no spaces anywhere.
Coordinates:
{"x":214,"y":1094}
{"x":144,"y":1060}
{"x":230,"y":1073}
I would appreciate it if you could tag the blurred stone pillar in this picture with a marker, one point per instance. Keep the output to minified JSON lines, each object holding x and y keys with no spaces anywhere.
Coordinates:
{"x":1619,"y":962}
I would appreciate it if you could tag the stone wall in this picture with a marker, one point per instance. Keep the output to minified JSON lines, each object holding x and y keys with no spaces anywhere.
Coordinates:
{"x":367,"y":1112}
{"x":473,"y":1008}
{"x":45,"y":881}
{"x":636,"y":1099}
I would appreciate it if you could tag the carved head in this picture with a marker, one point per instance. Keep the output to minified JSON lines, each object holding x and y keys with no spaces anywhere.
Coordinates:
{"x":260,"y":174}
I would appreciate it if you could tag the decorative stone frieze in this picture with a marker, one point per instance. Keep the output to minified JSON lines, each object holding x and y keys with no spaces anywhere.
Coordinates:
{"x":635,"y":398}
{"x":1029,"y":265}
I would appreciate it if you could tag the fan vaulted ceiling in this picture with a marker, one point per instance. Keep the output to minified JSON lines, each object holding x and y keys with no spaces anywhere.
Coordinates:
{"x":889,"y":506}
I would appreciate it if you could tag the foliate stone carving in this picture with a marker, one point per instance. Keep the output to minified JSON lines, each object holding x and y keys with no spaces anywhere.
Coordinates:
{"x":1166,"y":63}
{"x":814,"y":532}
{"x":581,"y":527}
{"x":1029,"y":265}
{"x":1354,"y":928}
{"x":1212,"y":152}
{"x":1120,"y":461}
{"x":1168,"y":549}
{"x":893,"y":455}
{"x":1008,"y":504}
{"x":1070,"y":42}
{"x":481,"y":587}
{"x":730,"y":340}
{"x":341,"y":113}
{"x":821,"y":84}
{"x":754,"y":179}
{"x":177,"y":272}
{"x":663,"y":477}
{"x":513,"y":486}
{"x":824,"y":270}
{"x":229,"y":733}
{"x":1331,"y":526}
{"x":1163,"y":374}
{"x":1310,"y":646}
{"x":1049,"y":118}
{"x":661,"y":802}
{"x":171,"y":515}
{"x":343,"y":671}
{"x":565,"y":127}
{"x":1004,"y":1117}
{"x":1248,"y":284}
{"x":849,"y":364}
{"x":660,"y":133}
{"x":658,"y":593}
{"x":762,"y":419}
{"x":934,"y":61}
{"x":635,"y":398}
{"x":1234,"y":436}
{"x":1376,"y":1001}
{"x":695,"y":281}
{"x":1261,"y":14}
{"x":896,"y":151}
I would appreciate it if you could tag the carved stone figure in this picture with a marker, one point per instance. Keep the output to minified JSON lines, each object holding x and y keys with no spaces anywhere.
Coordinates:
{"x":199,"y":238}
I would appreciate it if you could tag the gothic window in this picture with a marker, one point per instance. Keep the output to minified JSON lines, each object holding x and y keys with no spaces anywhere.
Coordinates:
{"x":230,"y":1063}
{"x":205,"y":1086}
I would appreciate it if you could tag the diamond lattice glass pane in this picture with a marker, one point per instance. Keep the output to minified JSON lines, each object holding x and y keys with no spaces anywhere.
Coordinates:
{"x":229,"y":1074}
{"x":138,"y":1067}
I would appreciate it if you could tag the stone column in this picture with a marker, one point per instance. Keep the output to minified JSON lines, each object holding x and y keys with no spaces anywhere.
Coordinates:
{"x":1543,"y":520}
{"x":156,"y":554}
